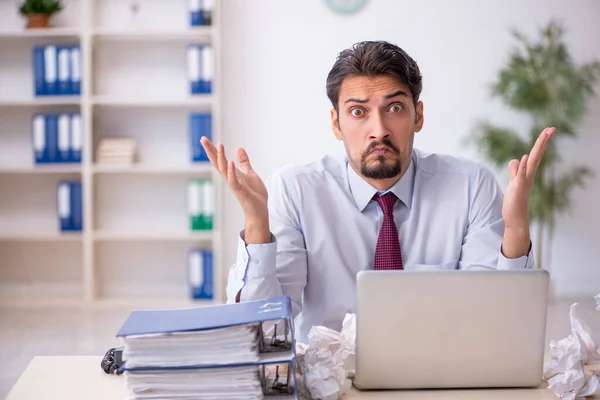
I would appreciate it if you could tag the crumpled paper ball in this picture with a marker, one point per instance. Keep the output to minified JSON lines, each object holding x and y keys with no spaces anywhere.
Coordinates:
{"x":328,"y":359}
{"x":564,"y":369}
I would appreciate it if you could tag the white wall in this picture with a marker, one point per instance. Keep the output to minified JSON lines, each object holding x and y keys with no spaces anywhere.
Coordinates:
{"x":278,"y":54}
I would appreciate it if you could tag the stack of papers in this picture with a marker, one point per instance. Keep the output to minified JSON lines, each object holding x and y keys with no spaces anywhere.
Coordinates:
{"x":234,"y":351}
{"x":116,"y":151}
{"x":224,"y":383}
{"x":225,"y":346}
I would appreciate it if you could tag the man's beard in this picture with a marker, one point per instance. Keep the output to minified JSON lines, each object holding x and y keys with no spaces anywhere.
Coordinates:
{"x":381,"y":170}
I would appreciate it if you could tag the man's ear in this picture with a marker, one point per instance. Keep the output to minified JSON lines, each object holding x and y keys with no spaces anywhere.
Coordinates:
{"x":419,"y":117}
{"x":335,"y":124}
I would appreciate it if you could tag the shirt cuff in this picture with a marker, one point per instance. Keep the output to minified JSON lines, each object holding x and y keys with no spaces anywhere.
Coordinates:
{"x":258,"y":259}
{"x":253,"y":262}
{"x":523,"y":262}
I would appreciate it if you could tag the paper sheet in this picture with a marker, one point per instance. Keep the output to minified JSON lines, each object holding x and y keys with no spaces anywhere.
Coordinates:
{"x":328,"y":359}
{"x":565,"y":367}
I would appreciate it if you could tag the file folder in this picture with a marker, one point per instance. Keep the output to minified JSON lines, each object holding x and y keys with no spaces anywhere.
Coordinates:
{"x":76,"y":139}
{"x":52,"y":138}
{"x":50,"y":70}
{"x":208,"y":204}
{"x":207,"y":69}
{"x":64,"y":138}
{"x":75,"y":83}
{"x":212,"y":349}
{"x":195,"y":12}
{"x":39,"y":71}
{"x":38,"y":127}
{"x":64,"y":206}
{"x":64,"y":71}
{"x":200,"y":274}
{"x":208,"y":7}
{"x":193,"y":66}
{"x":76,"y":207}
{"x":200,"y":125}
{"x":70,"y":206}
{"x":194,"y":198}
{"x":165,"y":351}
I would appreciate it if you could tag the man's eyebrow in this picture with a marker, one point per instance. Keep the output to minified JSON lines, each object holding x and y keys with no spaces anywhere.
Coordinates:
{"x":397,"y":93}
{"x":387,"y":96}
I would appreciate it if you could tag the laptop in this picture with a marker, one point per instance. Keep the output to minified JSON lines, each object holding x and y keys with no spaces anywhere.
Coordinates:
{"x":450,"y":329}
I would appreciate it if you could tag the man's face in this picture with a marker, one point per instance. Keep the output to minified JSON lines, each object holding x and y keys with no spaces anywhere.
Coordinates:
{"x":377,"y":122}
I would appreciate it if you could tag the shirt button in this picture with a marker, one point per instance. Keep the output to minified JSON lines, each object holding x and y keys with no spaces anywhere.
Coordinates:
{"x":255,"y":261}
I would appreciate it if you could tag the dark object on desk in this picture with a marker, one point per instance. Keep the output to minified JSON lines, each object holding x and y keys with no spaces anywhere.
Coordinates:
{"x":112,"y":361}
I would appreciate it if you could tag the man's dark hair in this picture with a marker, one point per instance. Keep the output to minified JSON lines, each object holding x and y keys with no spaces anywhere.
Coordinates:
{"x":374,"y":59}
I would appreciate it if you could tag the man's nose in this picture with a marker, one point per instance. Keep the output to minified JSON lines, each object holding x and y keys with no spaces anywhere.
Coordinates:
{"x":378,"y":128}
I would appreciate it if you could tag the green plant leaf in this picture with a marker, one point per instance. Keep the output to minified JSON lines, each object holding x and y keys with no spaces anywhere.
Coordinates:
{"x":48,"y":7}
{"x":499,"y":145}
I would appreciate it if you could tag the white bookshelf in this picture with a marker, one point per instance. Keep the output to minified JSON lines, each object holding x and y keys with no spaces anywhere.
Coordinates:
{"x":133,"y":249}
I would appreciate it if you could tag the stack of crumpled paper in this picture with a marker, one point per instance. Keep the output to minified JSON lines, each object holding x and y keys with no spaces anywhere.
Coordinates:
{"x":564,"y":369}
{"x":327,"y":360}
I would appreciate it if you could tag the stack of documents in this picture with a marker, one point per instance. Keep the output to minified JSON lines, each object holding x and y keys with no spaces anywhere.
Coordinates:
{"x":234,"y":351}
{"x":116,"y":151}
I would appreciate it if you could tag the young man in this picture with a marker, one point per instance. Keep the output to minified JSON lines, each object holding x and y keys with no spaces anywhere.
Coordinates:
{"x":384,"y":205}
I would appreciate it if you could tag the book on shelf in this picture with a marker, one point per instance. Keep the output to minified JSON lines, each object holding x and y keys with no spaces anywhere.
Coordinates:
{"x":235,"y":351}
{"x":116,"y":151}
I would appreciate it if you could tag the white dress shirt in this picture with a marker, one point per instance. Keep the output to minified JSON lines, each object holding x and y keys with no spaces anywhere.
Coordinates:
{"x":324,"y":227}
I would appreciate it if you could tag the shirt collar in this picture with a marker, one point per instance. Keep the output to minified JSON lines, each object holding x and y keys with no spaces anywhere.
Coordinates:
{"x":363,"y":192}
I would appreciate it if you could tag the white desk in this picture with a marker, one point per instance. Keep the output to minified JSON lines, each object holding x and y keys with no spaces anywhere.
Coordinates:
{"x":80,"y":377}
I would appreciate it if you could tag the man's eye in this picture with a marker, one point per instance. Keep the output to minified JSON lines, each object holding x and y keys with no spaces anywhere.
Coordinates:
{"x":357,"y":112}
{"x":396,"y":108}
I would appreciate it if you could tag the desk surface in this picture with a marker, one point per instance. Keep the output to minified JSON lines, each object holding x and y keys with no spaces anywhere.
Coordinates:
{"x":80,"y":377}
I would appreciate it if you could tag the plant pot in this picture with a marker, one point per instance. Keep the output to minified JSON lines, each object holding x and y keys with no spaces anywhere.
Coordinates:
{"x":37,"y":21}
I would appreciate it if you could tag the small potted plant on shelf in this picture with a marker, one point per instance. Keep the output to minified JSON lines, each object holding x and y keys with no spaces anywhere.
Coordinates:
{"x":38,"y":12}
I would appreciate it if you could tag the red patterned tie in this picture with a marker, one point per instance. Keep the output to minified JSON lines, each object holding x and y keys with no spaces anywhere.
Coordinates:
{"x":387,"y":252}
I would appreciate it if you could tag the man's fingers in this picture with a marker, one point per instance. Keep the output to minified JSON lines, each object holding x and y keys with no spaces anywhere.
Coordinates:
{"x":232,"y":176}
{"x":522,"y":172}
{"x":243,"y":160}
{"x":210,"y":150}
{"x":221,"y":160}
{"x":513,"y":167}
{"x":538,"y":150}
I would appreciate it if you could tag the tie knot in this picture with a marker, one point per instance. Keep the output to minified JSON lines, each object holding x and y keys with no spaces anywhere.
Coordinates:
{"x":386,"y":202}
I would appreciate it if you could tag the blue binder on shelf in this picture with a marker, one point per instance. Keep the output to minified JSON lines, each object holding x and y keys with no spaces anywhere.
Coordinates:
{"x":200,"y":65}
{"x":70,"y":210}
{"x":200,"y":125}
{"x":38,"y":139}
{"x":75,"y":69}
{"x":39,"y":71}
{"x":50,"y":70}
{"x":64,"y":70}
{"x":200,"y":274}
{"x":52,"y":153}
{"x":64,"y":138}
{"x":76,"y":138}
{"x":195,"y":8}
{"x":275,"y":348}
{"x":207,"y":74}
{"x":193,"y":67}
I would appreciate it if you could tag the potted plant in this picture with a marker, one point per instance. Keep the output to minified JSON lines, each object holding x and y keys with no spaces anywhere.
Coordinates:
{"x":38,"y":12}
{"x":541,"y":80}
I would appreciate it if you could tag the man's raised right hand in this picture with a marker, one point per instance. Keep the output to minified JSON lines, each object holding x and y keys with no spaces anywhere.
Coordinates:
{"x":247,"y":187}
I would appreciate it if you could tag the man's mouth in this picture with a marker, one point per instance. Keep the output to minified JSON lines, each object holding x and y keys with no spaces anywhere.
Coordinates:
{"x":379,"y":150}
